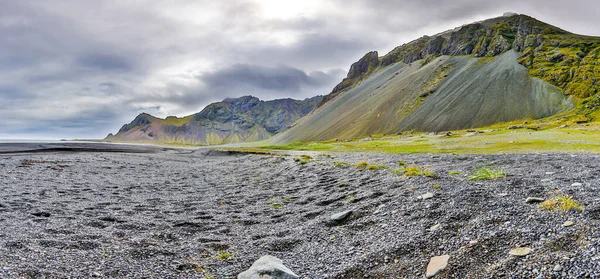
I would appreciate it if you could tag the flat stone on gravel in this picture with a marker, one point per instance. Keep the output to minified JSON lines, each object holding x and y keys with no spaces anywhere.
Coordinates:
{"x":268,"y":267}
{"x":520,"y":252}
{"x":436,"y":264}
{"x":341,"y":216}
{"x":576,"y":184}
{"x":568,"y":224}
{"x":557,"y":268}
{"x":534,"y":200}
{"x":435,"y":227}
{"x":425,"y":196}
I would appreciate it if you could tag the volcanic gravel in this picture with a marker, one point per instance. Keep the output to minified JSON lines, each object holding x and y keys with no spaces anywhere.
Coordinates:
{"x":183,"y":214}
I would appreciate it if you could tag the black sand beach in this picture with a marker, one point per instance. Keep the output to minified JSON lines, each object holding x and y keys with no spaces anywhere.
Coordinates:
{"x":120,"y":211}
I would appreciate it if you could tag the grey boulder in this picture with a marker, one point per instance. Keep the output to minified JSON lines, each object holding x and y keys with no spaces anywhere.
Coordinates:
{"x":268,"y":267}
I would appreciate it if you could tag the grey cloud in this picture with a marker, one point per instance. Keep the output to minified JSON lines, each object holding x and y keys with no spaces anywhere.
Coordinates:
{"x":83,"y":68}
{"x":277,"y":78}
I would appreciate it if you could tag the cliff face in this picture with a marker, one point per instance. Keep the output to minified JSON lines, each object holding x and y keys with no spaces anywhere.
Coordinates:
{"x":230,"y":121}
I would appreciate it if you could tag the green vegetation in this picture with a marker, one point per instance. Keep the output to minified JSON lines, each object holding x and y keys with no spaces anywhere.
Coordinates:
{"x":415,"y":170}
{"x":224,"y":256}
{"x":453,"y":173}
{"x":340,"y":164}
{"x":303,"y":159}
{"x":275,"y":203}
{"x":397,"y":171}
{"x":561,"y":202}
{"x":401,"y":163}
{"x":437,"y":186}
{"x":362,"y":165}
{"x":483,"y":173}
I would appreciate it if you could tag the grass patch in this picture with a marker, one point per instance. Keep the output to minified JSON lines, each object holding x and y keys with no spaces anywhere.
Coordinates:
{"x":561,"y":202}
{"x":453,"y":173}
{"x":376,"y":167}
{"x":303,"y":159}
{"x":437,"y":186}
{"x":340,"y":164}
{"x":483,"y":173}
{"x":401,"y":163}
{"x":362,"y":165}
{"x":224,"y":256}
{"x":414,"y":170}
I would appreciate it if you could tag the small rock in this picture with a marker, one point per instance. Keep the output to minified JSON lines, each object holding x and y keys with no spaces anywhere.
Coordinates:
{"x":425,"y":196}
{"x":268,"y":267}
{"x":520,"y":252}
{"x":568,"y":224}
{"x":576,"y":184}
{"x":435,"y":227}
{"x":41,"y":214}
{"x":550,"y":173}
{"x":341,"y":216}
{"x":557,"y":268}
{"x":534,"y":200}
{"x":436,"y":264}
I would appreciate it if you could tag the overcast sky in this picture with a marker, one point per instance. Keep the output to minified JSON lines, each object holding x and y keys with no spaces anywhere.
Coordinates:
{"x":81,"y":69}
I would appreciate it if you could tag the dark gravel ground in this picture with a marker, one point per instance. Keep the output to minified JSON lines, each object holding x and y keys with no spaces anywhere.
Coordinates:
{"x":181,"y":214}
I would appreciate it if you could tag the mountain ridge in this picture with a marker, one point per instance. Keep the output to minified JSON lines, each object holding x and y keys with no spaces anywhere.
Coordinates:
{"x":232,"y":120}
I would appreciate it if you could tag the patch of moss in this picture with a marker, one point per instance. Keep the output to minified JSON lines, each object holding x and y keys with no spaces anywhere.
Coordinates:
{"x":561,"y":202}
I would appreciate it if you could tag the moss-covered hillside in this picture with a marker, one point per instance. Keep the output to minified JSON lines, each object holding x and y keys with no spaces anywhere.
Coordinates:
{"x":566,"y":60}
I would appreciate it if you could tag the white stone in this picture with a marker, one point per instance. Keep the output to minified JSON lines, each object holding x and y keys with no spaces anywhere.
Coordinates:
{"x":520,"y":252}
{"x":436,"y":264}
{"x":425,"y":196}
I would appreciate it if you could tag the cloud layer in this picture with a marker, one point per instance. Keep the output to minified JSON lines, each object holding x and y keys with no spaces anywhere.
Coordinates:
{"x":80,"y":69}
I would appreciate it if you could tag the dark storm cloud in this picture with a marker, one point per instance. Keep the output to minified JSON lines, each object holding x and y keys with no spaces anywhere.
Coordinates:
{"x":83,"y":68}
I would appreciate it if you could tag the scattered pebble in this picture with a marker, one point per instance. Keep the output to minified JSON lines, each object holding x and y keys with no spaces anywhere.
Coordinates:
{"x":568,"y":224}
{"x":576,"y":184}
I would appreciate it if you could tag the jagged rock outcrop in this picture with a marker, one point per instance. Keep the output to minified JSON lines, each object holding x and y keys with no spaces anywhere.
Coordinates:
{"x":363,"y":67}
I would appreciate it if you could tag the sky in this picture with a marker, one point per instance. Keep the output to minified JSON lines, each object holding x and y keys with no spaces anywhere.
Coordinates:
{"x":82,"y":69}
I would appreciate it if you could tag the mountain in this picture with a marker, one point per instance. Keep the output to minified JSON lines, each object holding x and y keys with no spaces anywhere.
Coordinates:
{"x":230,"y":121}
{"x":498,"y":70}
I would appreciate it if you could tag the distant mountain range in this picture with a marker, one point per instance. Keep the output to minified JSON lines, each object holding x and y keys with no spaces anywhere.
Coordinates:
{"x":497,"y":70}
{"x":230,"y":121}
